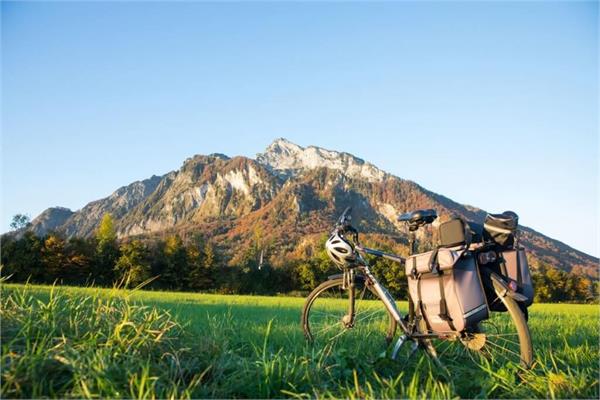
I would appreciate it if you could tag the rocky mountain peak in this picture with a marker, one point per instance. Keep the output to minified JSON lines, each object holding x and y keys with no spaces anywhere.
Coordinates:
{"x":288,"y":159}
{"x":50,"y":220}
{"x":282,"y":148}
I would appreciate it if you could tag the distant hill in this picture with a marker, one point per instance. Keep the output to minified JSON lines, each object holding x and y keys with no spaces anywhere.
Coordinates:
{"x":290,"y":194}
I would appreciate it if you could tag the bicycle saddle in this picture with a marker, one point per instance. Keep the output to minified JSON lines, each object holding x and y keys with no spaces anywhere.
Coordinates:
{"x":418,"y":218}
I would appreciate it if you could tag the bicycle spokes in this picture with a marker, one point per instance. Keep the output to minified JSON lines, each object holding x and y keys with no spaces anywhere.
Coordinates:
{"x":327,"y":318}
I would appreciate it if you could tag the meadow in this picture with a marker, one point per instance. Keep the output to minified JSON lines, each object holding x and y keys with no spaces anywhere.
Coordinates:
{"x":68,"y":342}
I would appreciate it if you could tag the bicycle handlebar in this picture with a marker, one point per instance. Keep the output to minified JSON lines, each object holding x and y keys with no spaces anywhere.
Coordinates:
{"x":343,"y":227}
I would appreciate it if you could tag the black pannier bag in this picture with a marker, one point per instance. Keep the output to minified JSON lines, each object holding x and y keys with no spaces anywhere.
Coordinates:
{"x":503,"y":256}
{"x":452,"y":233}
{"x":458,"y":232}
{"x":501,"y":228}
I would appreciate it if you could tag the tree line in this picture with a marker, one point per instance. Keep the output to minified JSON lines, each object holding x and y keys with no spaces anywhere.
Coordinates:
{"x":197,"y":265}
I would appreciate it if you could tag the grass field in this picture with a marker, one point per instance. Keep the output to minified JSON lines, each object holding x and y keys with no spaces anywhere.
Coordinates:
{"x":84,"y":343}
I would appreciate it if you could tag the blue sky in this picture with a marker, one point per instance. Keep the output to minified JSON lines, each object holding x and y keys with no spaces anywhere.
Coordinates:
{"x":490,"y":104}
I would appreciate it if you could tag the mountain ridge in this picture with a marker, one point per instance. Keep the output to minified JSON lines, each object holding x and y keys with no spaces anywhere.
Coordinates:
{"x":287,"y":185}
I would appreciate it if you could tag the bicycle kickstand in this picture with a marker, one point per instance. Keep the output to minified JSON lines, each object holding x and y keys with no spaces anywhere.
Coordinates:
{"x":397,"y":346}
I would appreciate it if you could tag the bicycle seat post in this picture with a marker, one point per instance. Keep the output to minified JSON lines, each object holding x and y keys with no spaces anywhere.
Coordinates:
{"x":412,"y":241}
{"x":415,"y":220}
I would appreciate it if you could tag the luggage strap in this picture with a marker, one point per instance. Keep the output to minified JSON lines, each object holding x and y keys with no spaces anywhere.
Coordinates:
{"x":433,"y":262}
{"x":420,"y":308}
{"x":413,"y":271}
{"x":502,"y":264}
{"x":443,"y":306}
{"x":519,"y":273}
{"x":434,"y":268}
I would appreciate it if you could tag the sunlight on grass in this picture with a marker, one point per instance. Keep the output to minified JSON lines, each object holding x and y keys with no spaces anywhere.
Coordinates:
{"x":87,"y":342}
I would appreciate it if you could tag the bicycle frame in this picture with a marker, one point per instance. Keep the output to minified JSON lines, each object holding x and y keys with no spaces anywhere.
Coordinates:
{"x":389,"y":302}
{"x":382,"y":292}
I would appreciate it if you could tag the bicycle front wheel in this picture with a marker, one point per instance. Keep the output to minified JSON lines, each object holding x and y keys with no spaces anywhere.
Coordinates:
{"x":325,"y":316}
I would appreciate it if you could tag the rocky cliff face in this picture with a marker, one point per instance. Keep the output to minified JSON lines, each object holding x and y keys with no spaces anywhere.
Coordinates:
{"x":206,"y":187}
{"x":289,"y":192}
{"x":51,"y":219}
{"x":125,"y":199}
{"x":289,"y":159}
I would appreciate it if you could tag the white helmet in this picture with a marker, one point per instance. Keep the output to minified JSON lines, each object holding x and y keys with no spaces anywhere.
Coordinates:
{"x":339,"y":250}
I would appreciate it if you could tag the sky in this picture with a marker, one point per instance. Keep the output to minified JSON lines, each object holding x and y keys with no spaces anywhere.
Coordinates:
{"x":490,"y":104}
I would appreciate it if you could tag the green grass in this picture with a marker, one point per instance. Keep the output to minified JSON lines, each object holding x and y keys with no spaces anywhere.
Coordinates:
{"x":83,"y":343}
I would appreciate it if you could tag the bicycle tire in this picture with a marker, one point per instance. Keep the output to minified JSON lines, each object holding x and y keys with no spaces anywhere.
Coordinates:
{"x":497,"y":346}
{"x":388,"y":332}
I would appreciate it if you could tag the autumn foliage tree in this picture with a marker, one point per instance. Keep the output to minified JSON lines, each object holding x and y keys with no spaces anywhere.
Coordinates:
{"x":107,"y":250}
{"x":133,"y":267}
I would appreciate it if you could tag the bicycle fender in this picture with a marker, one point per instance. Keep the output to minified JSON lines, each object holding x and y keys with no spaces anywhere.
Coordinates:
{"x":503,"y":290}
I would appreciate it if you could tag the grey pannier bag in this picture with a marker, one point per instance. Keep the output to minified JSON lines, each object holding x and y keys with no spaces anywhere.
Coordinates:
{"x":509,"y":264}
{"x":445,"y":286}
{"x":517,"y":269}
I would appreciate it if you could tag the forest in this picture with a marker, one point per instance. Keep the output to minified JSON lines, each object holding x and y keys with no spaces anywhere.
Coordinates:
{"x":196,"y":264}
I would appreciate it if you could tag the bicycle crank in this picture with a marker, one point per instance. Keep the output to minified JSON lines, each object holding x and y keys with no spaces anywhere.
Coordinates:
{"x":347,"y":321}
{"x":474,"y":341}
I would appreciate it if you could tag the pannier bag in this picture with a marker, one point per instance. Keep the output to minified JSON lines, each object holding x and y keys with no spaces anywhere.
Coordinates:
{"x":511,"y":264}
{"x":446,"y":289}
{"x":452,"y":233}
{"x":501,"y":228}
{"x":456,"y":232}
{"x":517,"y":269}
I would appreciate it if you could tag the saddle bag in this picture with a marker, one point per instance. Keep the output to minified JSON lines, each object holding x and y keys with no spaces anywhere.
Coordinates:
{"x":509,"y":264}
{"x":446,"y":289}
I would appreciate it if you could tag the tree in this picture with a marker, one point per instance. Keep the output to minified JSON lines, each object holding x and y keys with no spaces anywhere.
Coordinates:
{"x":210,"y":257}
{"x":174,"y":275}
{"x":132,"y":265}
{"x":54,"y":258}
{"x":106,"y":230}
{"x":201,"y":261}
{"x":22,"y":258}
{"x":313,"y":271}
{"x":20,"y":221}
{"x":107,"y":250}
{"x":392,"y":276}
{"x":80,"y":253}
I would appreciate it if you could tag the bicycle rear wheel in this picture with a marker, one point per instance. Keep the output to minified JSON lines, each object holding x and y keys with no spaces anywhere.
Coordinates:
{"x":501,"y":340}
{"x":325,"y":319}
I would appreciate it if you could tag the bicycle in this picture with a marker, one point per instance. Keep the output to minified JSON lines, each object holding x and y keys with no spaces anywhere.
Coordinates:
{"x":349,"y":305}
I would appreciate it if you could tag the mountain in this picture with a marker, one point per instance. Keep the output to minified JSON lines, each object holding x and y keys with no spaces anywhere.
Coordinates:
{"x":50,"y":219}
{"x":289,"y":159}
{"x":287,"y":197}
